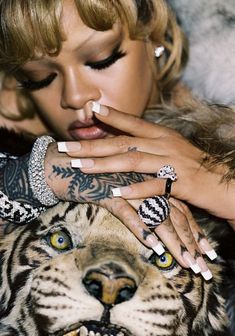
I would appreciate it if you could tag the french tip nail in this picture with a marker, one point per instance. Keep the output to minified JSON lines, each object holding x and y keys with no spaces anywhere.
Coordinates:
{"x":76,"y":163}
{"x":207,"y":275}
{"x":211,"y":254}
{"x":95,"y":107}
{"x":159,"y":249}
{"x":196,"y":268}
{"x":116,"y":192}
{"x":61,"y":146}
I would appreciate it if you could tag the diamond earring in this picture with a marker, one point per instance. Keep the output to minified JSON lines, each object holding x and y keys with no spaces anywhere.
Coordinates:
{"x":158,"y":51}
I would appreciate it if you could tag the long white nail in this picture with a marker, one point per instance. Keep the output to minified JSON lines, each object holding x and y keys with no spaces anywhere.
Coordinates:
{"x":99,"y":109}
{"x":211,"y":254}
{"x":159,"y":249}
{"x":207,"y":275}
{"x":206,"y":247}
{"x":62,"y":147}
{"x":116,"y":192}
{"x":191,"y":262}
{"x":95,"y":107}
{"x":196,"y":269}
{"x":76,"y":163}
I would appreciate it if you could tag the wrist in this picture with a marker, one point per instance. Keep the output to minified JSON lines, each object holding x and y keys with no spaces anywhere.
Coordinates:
{"x":57,"y":170}
{"x":36,"y":172}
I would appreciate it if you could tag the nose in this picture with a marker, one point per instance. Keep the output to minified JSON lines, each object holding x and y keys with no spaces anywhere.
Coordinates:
{"x":110,"y":284}
{"x":78,"y":90}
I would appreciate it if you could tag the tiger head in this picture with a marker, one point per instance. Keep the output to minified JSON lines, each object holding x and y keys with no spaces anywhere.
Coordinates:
{"x":78,"y":271}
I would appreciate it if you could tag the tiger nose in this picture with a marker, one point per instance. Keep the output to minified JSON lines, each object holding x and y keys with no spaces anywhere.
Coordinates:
{"x":110,"y":285}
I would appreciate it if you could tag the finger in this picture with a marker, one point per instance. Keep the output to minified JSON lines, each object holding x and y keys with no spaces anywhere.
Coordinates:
{"x":130,"y":124}
{"x":149,"y":188}
{"x":126,"y":162}
{"x":128,"y":216}
{"x":110,"y":146}
{"x":183,"y":230}
{"x":168,"y":235}
{"x":184,"y":250}
{"x":196,"y":230}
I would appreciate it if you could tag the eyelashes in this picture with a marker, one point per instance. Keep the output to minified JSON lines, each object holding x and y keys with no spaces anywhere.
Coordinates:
{"x":31,"y":85}
{"x":107,"y":62}
{"x":36,"y":85}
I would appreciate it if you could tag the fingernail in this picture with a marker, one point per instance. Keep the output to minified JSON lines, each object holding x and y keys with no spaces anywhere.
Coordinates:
{"x":61,"y":146}
{"x":191,"y":262}
{"x":206,"y":247}
{"x":84,"y":163}
{"x":207,"y":275}
{"x":159,"y":249}
{"x":211,"y":254}
{"x":123,"y":191}
{"x":116,"y":192}
{"x":205,"y":272}
{"x":155,"y":244}
{"x":65,"y":147}
{"x":100,"y":109}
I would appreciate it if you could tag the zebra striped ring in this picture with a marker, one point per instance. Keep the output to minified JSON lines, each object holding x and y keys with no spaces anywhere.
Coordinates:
{"x":154,"y":210}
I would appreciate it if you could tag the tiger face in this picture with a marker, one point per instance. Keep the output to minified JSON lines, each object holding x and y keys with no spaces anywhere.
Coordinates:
{"x":78,"y":271}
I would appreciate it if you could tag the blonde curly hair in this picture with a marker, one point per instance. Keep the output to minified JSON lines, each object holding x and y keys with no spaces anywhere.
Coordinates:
{"x":32,"y":28}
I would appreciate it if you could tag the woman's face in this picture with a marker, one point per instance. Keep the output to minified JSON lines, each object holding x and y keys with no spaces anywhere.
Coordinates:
{"x":106,"y":67}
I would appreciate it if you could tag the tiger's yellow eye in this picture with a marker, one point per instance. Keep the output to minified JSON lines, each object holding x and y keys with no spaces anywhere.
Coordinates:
{"x":60,"y":240}
{"x":165,"y":261}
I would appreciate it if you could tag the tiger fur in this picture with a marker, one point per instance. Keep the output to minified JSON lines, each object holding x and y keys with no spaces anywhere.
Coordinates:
{"x":46,"y":289}
{"x":79,"y":268}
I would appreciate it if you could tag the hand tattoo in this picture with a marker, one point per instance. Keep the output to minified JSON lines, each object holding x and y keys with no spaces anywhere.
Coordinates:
{"x":94,"y":187}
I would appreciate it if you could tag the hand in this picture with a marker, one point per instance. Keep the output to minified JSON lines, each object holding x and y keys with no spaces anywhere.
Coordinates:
{"x":150,"y":147}
{"x":73,"y":185}
{"x":184,"y":238}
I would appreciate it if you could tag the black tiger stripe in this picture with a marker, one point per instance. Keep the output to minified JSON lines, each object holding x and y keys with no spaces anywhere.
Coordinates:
{"x":20,"y":281}
{"x":53,"y":280}
{"x":158,"y":296}
{"x":60,"y":217}
{"x":163,"y":312}
{"x":2,"y":263}
{"x":53,"y":294}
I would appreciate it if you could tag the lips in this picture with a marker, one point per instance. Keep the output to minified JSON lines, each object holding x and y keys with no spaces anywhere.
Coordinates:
{"x":91,"y":129}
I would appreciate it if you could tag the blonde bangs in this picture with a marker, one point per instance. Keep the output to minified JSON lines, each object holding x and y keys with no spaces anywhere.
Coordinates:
{"x":29,"y":28}
{"x":102,"y":14}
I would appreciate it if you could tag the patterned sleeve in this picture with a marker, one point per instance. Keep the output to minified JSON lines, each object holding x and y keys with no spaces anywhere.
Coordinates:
{"x":14,"y":211}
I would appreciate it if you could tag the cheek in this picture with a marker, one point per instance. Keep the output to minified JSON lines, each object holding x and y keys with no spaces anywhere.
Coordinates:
{"x":44,"y":101}
{"x":129,"y":90}
{"x":50,"y":110}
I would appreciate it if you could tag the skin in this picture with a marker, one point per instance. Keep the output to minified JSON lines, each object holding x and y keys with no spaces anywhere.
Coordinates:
{"x":126,"y":85}
{"x":158,"y":145}
{"x":8,"y":100}
{"x":68,"y":98}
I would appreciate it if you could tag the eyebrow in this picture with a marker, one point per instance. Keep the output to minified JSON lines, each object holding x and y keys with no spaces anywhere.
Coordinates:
{"x":112,"y":35}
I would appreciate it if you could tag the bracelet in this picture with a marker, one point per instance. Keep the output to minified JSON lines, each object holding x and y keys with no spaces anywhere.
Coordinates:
{"x":37,"y":179}
{"x":17,"y":212}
